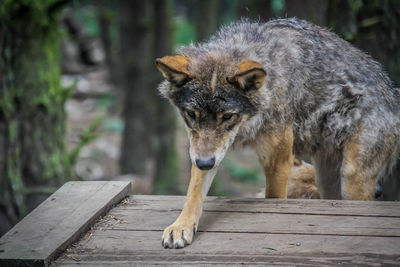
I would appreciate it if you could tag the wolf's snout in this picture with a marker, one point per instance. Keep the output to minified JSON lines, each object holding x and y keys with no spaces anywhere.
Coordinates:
{"x":205,"y":164}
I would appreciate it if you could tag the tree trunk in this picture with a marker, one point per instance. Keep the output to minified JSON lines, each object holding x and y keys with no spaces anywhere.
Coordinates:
{"x":149,"y":134}
{"x":33,"y":156}
{"x":137,"y":145}
{"x":166,"y":156}
{"x":106,"y":20}
{"x":339,"y":18}
{"x":207,"y":12}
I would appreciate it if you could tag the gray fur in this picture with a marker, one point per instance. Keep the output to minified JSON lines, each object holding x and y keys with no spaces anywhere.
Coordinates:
{"x":324,"y":87}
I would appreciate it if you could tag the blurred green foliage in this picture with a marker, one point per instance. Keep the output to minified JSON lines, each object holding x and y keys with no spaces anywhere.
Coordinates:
{"x":113,"y":125}
{"x":104,"y":102}
{"x":184,"y":31}
{"x":87,"y":16}
{"x":217,"y":188}
{"x":88,"y":135}
{"x":278,"y":7}
{"x":240,"y":173}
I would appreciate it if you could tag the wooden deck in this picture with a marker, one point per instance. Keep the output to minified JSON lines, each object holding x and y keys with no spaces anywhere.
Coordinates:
{"x":233,"y":231}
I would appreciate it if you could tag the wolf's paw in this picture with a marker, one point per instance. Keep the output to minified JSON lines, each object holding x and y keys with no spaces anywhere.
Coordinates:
{"x":178,"y":235}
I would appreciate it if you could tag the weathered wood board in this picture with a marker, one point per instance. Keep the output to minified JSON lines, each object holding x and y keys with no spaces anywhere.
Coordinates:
{"x":58,"y":222}
{"x":261,"y":205}
{"x":245,"y":232}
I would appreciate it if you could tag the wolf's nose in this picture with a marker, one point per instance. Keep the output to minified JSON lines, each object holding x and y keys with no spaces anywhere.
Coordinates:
{"x":205,"y":164}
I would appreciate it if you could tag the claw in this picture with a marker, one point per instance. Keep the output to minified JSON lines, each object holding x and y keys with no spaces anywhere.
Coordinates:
{"x":168,"y":243}
{"x":185,"y":243}
{"x":194,"y":230}
{"x":171,"y":238}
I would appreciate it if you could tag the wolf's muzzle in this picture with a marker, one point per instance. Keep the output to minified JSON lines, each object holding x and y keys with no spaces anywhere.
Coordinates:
{"x":205,"y":164}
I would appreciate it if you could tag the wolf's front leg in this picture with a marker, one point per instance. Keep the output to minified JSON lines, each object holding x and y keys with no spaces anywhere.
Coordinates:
{"x":181,"y":232}
{"x":275,"y":151}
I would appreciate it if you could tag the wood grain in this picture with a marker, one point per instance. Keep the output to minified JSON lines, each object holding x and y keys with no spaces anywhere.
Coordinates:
{"x":149,"y":220}
{"x":129,"y":248}
{"x":261,"y":205}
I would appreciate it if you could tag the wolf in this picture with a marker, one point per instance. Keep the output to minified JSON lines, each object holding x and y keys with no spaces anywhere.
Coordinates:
{"x":285,"y":87}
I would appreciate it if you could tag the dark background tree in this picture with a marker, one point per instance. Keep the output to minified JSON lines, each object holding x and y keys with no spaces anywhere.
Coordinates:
{"x":206,"y":18}
{"x":134,"y":25}
{"x":165,"y":153}
{"x":33,"y":157}
{"x":149,"y":135}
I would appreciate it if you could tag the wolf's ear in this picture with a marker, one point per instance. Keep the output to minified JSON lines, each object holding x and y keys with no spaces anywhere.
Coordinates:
{"x":249,"y":76}
{"x":174,"y":69}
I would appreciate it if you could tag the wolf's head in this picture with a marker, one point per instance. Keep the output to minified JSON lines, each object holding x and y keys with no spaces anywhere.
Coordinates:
{"x":215,"y":98}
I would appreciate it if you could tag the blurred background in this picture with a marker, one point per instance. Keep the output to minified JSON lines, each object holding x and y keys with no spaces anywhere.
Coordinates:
{"x":78,"y":97}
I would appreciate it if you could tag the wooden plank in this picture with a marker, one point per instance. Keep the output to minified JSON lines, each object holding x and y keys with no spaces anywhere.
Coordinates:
{"x":58,"y":222}
{"x":154,"y":220}
{"x":130,"y":235}
{"x":286,"y":206}
{"x":144,"y":248}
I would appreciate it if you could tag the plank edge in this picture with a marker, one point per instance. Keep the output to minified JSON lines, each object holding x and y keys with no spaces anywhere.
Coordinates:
{"x":90,"y":221}
{"x":52,"y":255}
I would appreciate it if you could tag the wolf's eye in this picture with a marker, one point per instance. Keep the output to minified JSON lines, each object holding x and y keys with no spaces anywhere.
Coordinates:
{"x":227,"y":116}
{"x":191,"y":114}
